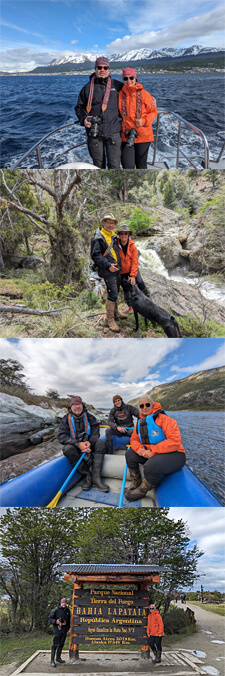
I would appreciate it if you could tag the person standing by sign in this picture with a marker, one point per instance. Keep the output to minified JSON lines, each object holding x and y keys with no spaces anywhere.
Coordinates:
{"x":60,"y":619}
{"x":155,"y":631}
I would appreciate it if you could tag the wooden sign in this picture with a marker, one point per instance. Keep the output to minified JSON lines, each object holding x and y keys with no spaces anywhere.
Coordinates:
{"x":124,"y":621}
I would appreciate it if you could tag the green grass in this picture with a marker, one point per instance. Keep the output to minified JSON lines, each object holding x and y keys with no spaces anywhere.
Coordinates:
{"x":211,"y":607}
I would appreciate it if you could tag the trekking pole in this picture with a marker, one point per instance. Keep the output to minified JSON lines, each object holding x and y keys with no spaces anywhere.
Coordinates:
{"x":55,"y":500}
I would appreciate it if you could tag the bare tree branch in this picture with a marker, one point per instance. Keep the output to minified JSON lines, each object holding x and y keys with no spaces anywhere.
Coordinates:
{"x":30,"y":311}
{"x":28,"y":213}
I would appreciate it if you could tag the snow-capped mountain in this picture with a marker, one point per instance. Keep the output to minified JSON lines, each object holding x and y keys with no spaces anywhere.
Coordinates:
{"x":165,"y":52}
{"x":138,"y":55}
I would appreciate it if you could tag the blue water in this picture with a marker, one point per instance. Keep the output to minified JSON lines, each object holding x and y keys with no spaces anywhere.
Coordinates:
{"x":33,"y":106}
{"x":202,"y":435}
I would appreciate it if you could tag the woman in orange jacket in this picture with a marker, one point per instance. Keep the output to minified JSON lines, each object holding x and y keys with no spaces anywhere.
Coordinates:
{"x":156,"y":444}
{"x":138,"y":110}
{"x":130,"y":273}
{"x":155,"y":631}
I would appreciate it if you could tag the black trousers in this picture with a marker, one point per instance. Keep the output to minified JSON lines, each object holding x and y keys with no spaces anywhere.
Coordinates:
{"x":109,"y":435}
{"x":155,"y":642}
{"x":105,"y":151}
{"x":135,"y":155}
{"x":157,"y":465}
{"x":126,"y":285}
{"x":58,"y":641}
{"x":112,"y":280}
{"x":73,"y":454}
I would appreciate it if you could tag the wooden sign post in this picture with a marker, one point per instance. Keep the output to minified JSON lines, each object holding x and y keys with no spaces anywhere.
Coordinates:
{"x":110,"y":615}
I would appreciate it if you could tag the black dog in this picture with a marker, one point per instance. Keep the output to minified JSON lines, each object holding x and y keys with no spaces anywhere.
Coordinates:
{"x":144,"y":306}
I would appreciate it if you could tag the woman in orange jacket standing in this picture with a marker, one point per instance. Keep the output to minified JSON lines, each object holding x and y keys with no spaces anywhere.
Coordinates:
{"x":130,"y":273}
{"x":155,"y":444}
{"x":138,"y":110}
{"x":155,"y":631}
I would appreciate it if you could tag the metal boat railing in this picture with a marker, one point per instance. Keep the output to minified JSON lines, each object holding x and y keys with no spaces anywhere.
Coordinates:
{"x":37,"y":145}
{"x":177,"y":144}
{"x":222,"y":135}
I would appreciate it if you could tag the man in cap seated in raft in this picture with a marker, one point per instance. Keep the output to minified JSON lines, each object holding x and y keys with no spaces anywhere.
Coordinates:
{"x":97,"y":110}
{"x":79,"y":433}
{"x":155,"y":444}
{"x":105,"y":254}
{"x":120,"y":418}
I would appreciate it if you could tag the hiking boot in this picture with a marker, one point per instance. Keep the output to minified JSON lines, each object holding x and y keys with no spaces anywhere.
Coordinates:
{"x":96,"y":473}
{"x":136,"y":480}
{"x":58,"y":659}
{"x":139,"y":492}
{"x":157,"y":659}
{"x":110,"y":307}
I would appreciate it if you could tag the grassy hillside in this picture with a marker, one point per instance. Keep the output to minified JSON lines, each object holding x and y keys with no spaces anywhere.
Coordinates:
{"x":202,"y":391}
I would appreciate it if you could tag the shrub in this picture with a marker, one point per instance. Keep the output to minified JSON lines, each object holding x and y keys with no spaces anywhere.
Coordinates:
{"x":176,"y":621}
{"x":139,"y":220}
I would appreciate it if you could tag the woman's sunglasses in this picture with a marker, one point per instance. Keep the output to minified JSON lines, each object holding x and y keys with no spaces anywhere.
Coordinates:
{"x":131,"y":77}
{"x":103,"y":67}
{"x":144,"y":405}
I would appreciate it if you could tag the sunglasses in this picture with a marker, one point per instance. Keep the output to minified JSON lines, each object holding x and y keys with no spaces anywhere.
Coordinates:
{"x":130,"y":77}
{"x":103,"y":67}
{"x":144,"y":405}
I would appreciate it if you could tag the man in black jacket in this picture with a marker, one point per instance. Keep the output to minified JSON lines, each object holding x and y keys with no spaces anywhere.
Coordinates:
{"x":105,"y":254}
{"x":97,"y":110}
{"x":120,"y":417}
{"x":79,"y":433}
{"x":60,"y":618}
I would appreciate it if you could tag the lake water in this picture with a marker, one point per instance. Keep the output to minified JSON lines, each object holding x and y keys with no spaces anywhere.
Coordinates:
{"x":33,"y":106}
{"x":202,"y":435}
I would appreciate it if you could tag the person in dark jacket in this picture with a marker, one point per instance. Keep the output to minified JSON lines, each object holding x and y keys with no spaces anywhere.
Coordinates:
{"x":97,"y":110}
{"x":120,"y":417}
{"x":79,"y":433}
{"x":60,"y":619}
{"x":105,"y":254}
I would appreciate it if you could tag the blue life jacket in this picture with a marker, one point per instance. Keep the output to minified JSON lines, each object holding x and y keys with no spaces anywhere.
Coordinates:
{"x":86,"y":425}
{"x":155,"y":433}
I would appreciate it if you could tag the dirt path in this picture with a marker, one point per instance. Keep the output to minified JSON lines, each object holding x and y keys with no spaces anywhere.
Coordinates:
{"x":210,"y":628}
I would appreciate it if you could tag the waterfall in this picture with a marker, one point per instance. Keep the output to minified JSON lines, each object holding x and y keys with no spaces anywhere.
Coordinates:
{"x":150,"y":260}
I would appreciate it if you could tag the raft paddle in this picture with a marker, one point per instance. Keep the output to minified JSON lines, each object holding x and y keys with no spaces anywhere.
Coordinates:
{"x":123,"y":486}
{"x":55,"y":500}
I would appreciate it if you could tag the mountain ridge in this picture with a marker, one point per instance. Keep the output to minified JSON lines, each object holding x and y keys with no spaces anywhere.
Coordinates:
{"x":201,"y":391}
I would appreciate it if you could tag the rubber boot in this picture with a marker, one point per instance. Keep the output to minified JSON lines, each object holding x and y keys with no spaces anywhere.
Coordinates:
{"x":110,"y":307}
{"x":53,"y":664}
{"x":157,"y":659}
{"x":83,"y":469}
{"x":136,"y":480}
{"x":96,"y":473}
{"x":58,"y":656}
{"x":139,"y":492}
{"x":118,"y":314}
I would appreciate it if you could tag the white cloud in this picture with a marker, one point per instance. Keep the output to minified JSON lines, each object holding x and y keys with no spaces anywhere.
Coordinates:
{"x":19,"y":28}
{"x":206,"y":526}
{"x":217,"y":359}
{"x":74,"y":42}
{"x":23,"y":59}
{"x":95,"y":368}
{"x":172,"y":35}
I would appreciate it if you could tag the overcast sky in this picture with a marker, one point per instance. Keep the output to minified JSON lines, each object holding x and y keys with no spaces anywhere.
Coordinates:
{"x":206,"y":526}
{"x":99,"y":368}
{"x":36,"y":31}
